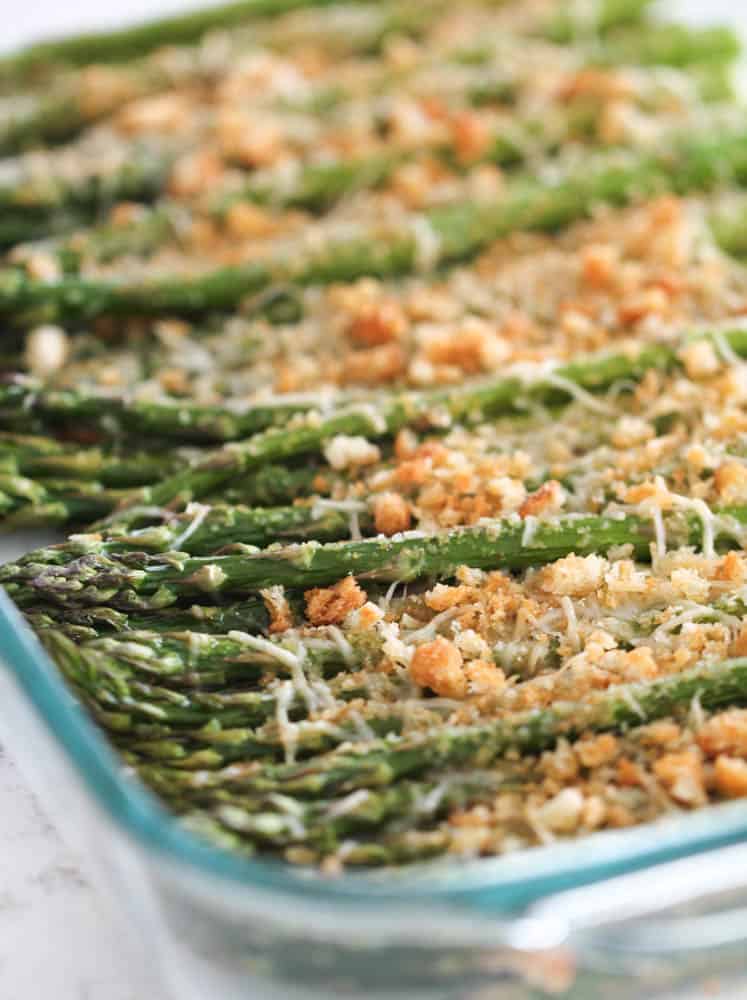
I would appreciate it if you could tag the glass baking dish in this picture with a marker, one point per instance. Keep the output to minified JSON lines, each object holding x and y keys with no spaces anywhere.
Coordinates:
{"x":569,"y":919}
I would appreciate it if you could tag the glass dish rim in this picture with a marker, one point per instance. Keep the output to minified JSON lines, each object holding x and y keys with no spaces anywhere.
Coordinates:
{"x":485,"y":883}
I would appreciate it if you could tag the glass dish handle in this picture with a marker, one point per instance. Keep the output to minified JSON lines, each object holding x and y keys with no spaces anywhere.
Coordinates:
{"x":683,"y":911}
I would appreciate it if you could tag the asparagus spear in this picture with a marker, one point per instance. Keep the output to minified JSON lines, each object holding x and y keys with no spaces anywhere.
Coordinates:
{"x":196,"y":659}
{"x":379,"y":764}
{"x":61,"y":117}
{"x":104,"y":242}
{"x":57,"y":504}
{"x":39,"y":208}
{"x":669,"y":45}
{"x":23,"y":399}
{"x":137,"y":581}
{"x":202,"y":728}
{"x":567,"y":25}
{"x":200,"y":531}
{"x":125,"y":44}
{"x":44,"y":204}
{"x":244,"y":459}
{"x":249,"y":616}
{"x":278,"y":484}
{"x":42,"y":458}
{"x":178,"y":657}
{"x":470,"y":407}
{"x":461,"y":232}
{"x":278,"y":821}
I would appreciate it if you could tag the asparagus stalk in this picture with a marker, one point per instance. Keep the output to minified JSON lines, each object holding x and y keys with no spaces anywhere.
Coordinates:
{"x":138,"y":581}
{"x":40,"y":204}
{"x":200,"y":531}
{"x":203,"y":728}
{"x":103,"y":243}
{"x":668,"y":44}
{"x":249,"y":616}
{"x":124,"y":44}
{"x":280,"y":821}
{"x":461,"y":231}
{"x":41,"y":208}
{"x":182,"y":658}
{"x":470,"y":407}
{"x":23,"y":399}
{"x":273,"y":485}
{"x":81,"y":501}
{"x":379,"y":764}
{"x":194,"y":659}
{"x":567,"y":26}
{"x":42,"y":458}
{"x":65,"y":506}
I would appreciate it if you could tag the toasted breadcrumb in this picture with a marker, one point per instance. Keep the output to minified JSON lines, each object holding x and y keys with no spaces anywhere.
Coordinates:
{"x":331,"y":605}
{"x":391,"y":514}
{"x":438,"y":665}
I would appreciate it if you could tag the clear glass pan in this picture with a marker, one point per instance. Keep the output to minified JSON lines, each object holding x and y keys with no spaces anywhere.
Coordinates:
{"x":511,"y":927}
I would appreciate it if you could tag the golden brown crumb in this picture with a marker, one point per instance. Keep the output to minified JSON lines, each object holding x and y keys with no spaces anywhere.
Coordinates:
{"x":375,"y":365}
{"x":650,"y":301}
{"x":391,"y":514}
{"x":599,"y":263}
{"x":441,"y":597}
{"x":102,"y":88}
{"x":125,"y":213}
{"x":484,"y":677}
{"x":477,"y":816}
{"x":248,"y":221}
{"x":638,"y":665}
{"x":438,"y":665}
{"x":195,"y":173}
{"x":597,"y":750}
{"x":574,"y":575}
{"x":377,"y":323}
{"x":331,"y":605}
{"x":368,"y":615}
{"x":167,"y":112}
{"x":174,"y":380}
{"x":251,"y":143}
{"x":739,"y":646}
{"x":405,"y":443}
{"x":730,"y":775}
{"x":725,"y":733}
{"x":470,"y":135}
{"x":629,"y":774}
{"x":594,"y":812}
{"x":730,"y":480}
{"x":662,"y":733}
{"x":602,"y":84}
{"x":473,"y":346}
{"x":731,"y":568}
{"x":682,"y":775}
{"x":700,"y":359}
{"x":42,"y":265}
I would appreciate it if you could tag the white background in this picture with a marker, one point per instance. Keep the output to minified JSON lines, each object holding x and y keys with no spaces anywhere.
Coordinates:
{"x":54,"y":943}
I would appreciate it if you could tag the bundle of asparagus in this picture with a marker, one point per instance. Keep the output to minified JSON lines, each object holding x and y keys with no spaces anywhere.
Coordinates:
{"x":387,"y":363}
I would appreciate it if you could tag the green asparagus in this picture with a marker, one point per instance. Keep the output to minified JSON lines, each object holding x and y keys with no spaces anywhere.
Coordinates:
{"x":138,"y":581}
{"x":471,"y":406}
{"x":461,"y":230}
{"x":382,"y":763}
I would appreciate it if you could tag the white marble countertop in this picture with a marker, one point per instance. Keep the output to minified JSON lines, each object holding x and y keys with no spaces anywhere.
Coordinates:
{"x":56,"y":941}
